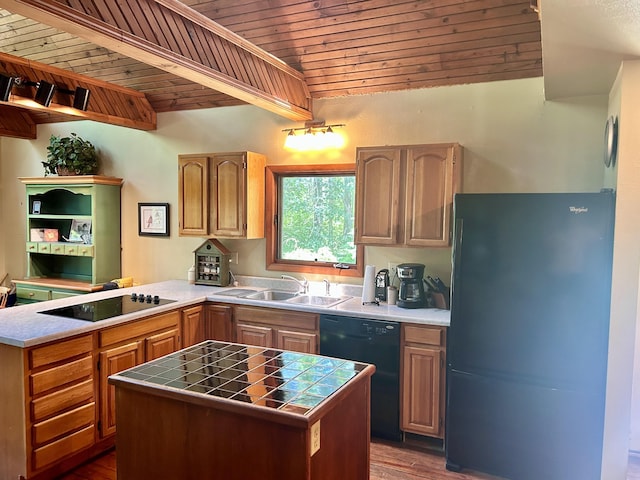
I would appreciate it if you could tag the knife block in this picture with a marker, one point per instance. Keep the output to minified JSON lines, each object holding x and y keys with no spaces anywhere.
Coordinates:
{"x":440,"y":300}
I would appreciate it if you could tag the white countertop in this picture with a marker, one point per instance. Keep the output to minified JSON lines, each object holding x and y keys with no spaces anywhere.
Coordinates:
{"x":26,"y":326}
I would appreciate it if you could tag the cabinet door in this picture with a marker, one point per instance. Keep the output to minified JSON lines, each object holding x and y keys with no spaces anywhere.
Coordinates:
{"x":113,"y":361}
{"x":421,"y":391}
{"x":254,"y":335}
{"x":219,"y":324}
{"x":228,"y":194}
{"x":297,"y":341}
{"x":161,"y":344}
{"x":193,"y":195}
{"x":430,"y":183}
{"x":193,"y":326}
{"x":377,"y":195}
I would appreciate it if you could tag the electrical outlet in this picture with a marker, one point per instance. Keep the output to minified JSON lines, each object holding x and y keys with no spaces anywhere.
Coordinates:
{"x":234,"y":258}
{"x":392,"y":270}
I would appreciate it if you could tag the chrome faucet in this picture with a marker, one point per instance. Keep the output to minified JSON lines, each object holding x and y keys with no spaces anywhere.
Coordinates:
{"x":327,"y":287}
{"x":304,"y":284}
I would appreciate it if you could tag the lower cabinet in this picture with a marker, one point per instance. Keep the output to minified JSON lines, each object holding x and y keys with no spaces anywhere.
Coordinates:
{"x":62,"y":406}
{"x":284,"y":329}
{"x":219,"y":323}
{"x":126,"y":346}
{"x":114,"y":360}
{"x":193,"y":326}
{"x":423,"y":380}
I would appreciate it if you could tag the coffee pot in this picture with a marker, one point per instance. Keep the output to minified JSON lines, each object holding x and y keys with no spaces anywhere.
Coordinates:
{"x":411,"y":293}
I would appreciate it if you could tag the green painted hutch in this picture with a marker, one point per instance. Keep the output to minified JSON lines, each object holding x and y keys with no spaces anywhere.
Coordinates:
{"x":73,"y":235}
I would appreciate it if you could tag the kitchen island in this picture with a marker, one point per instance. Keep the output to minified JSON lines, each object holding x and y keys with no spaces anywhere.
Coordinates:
{"x":231,"y":411}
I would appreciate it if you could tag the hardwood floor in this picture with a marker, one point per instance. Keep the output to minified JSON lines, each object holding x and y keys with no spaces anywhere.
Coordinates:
{"x":388,"y":462}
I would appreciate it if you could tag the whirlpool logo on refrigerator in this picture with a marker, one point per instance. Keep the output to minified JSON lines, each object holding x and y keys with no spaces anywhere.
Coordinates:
{"x":578,"y":210}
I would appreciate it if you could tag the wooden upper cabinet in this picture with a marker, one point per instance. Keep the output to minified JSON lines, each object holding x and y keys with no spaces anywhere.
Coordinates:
{"x":377,"y":195}
{"x":222,"y":194}
{"x":193,"y":195}
{"x":432,"y":178}
{"x":228,"y":191}
{"x":404,"y":194}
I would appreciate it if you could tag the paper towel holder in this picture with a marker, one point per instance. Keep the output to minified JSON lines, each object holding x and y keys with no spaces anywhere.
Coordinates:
{"x":368,"y":286}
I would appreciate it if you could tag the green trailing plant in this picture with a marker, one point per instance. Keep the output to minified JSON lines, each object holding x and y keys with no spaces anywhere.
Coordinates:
{"x":70,"y":156}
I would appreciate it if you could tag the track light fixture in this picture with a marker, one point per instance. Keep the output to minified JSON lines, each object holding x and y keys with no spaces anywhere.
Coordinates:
{"x":81,"y":98}
{"x":6,"y":84}
{"x":315,"y":135}
{"x":45,"y":91}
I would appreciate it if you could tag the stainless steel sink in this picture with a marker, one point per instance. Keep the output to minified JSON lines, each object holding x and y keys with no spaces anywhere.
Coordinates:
{"x":273,"y":295}
{"x":285,"y":296}
{"x":237,"y":292}
{"x":317,"y":300}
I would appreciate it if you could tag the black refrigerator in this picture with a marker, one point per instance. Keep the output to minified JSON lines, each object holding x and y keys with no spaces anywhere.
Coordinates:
{"x":528,"y":341}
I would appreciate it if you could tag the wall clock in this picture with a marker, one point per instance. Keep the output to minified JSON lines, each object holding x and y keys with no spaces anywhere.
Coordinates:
{"x":610,"y":141}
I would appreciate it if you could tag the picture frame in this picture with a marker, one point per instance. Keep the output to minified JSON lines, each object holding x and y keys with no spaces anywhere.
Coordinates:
{"x":36,"y":207}
{"x":153,"y":219}
{"x":80,"y":231}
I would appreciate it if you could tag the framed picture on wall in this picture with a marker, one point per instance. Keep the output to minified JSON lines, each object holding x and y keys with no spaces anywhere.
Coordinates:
{"x":153,"y":219}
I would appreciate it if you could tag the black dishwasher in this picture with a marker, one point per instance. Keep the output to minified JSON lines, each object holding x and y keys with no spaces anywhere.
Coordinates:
{"x":376,"y":342}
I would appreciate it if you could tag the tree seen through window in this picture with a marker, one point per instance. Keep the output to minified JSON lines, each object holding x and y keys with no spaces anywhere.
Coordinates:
{"x":317,"y":218}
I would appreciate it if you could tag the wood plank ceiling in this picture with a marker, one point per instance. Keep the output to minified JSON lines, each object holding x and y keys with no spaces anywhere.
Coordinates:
{"x":340,"y":47}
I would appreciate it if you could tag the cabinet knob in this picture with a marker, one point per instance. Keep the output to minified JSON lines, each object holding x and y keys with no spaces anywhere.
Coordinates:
{"x":31,"y":294}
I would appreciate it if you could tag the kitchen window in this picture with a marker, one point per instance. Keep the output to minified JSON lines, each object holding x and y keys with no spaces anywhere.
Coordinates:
{"x":310,"y":219}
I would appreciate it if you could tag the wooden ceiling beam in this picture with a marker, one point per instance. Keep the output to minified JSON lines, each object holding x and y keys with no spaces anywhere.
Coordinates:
{"x":108,"y":103}
{"x":171,"y":36}
{"x":16,"y":123}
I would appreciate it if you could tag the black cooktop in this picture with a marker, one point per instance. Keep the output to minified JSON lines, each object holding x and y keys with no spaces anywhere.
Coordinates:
{"x":108,"y":307}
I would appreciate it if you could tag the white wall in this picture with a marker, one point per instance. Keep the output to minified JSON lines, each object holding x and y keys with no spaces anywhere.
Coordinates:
{"x":624,"y":102}
{"x":514,"y":141}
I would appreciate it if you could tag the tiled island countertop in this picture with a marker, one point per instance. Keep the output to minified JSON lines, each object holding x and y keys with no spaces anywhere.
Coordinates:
{"x":243,"y":412}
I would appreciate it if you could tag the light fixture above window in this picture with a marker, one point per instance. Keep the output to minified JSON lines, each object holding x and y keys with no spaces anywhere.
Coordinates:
{"x":315,"y":135}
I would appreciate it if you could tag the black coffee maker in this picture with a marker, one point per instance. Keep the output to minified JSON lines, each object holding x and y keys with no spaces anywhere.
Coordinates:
{"x":411,"y":293}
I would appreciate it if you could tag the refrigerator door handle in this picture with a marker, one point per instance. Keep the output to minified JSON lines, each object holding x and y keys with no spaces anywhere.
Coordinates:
{"x":457,"y":246}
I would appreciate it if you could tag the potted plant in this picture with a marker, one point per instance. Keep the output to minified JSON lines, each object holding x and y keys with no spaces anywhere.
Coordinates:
{"x":70,"y":156}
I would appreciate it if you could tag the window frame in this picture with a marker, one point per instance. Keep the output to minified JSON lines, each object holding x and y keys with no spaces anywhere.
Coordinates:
{"x":272,"y":175}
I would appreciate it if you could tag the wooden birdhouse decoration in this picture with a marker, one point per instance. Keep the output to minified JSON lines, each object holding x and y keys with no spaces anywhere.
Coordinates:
{"x":212,"y":264}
